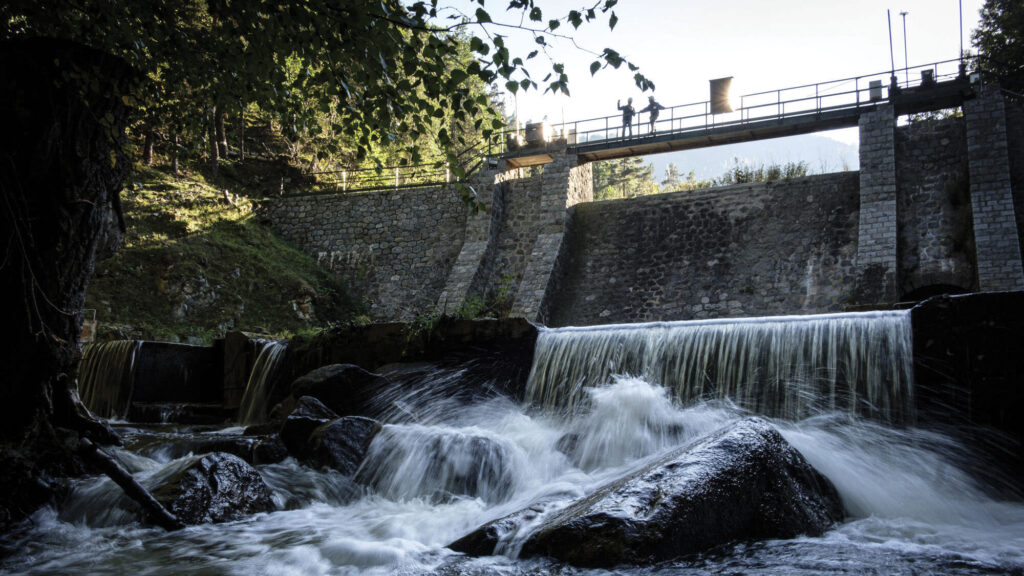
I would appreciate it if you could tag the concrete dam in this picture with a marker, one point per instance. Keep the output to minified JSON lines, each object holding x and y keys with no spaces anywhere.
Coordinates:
{"x":936,"y":207}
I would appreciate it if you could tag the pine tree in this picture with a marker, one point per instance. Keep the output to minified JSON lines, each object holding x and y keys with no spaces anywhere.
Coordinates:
{"x":673,"y":178}
{"x":623,"y":178}
{"x":1000,"y":41}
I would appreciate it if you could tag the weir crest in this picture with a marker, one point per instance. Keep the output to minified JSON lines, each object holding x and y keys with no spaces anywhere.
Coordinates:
{"x":789,"y":367}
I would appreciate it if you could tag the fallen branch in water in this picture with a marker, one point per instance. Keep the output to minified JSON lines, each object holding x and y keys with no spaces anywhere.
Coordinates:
{"x":152,"y":507}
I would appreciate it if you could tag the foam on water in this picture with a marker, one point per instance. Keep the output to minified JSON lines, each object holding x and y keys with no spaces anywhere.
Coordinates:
{"x":912,"y":506}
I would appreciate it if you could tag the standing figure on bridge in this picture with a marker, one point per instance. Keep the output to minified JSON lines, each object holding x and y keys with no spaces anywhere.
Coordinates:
{"x":627,"y":116}
{"x":654,"y":108}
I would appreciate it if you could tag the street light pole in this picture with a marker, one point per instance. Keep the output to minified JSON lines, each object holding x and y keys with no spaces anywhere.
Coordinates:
{"x":906,"y":58}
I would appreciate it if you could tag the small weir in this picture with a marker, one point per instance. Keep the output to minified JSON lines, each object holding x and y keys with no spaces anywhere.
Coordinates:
{"x":787,"y":367}
{"x":105,"y":377}
{"x":253,"y":409}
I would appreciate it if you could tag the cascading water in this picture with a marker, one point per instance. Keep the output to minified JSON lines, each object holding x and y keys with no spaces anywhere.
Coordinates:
{"x":440,"y":469}
{"x":253,"y":408}
{"x":788,"y":367}
{"x":105,"y":377}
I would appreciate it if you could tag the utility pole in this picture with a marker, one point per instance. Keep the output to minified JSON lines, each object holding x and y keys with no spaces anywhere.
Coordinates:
{"x":892,"y":59}
{"x":963,"y":65}
{"x":906,"y":58}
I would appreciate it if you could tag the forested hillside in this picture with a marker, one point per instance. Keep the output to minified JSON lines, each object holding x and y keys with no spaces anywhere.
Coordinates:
{"x":197,"y":261}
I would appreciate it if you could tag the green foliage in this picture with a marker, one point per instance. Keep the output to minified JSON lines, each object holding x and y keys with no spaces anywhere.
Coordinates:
{"x":741,"y":173}
{"x":350,"y":81}
{"x":472,"y":308}
{"x":1000,"y":40}
{"x":935,"y":115}
{"x":630,"y":177}
{"x":675,"y":182}
{"x":497,"y":304}
{"x":421,"y":327}
{"x":623,"y":178}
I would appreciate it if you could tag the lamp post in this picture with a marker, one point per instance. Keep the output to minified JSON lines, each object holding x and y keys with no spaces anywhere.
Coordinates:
{"x":906,"y":59}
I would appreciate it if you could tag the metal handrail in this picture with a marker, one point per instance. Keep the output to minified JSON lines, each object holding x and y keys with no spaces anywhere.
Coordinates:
{"x":795,"y":101}
{"x":430,"y":173}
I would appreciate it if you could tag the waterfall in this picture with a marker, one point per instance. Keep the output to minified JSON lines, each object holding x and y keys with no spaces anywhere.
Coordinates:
{"x":253,"y":408}
{"x":789,"y":367}
{"x":105,"y":377}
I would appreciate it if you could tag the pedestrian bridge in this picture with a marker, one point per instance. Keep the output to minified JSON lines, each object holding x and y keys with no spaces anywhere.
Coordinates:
{"x":762,"y":115}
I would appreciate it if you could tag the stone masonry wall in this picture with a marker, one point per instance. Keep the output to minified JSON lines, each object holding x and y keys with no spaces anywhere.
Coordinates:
{"x":936,"y":239}
{"x":995,"y":222}
{"x":1015,"y":140}
{"x":541,"y":250}
{"x":470,"y":266}
{"x":877,"y":246}
{"x":515,"y":228}
{"x":565,"y":184}
{"x":747,"y":250}
{"x":392,"y":248}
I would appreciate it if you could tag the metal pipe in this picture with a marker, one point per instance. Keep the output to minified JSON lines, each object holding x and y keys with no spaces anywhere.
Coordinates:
{"x":906,"y":58}
{"x":961,"y":30}
{"x":892,"y":58}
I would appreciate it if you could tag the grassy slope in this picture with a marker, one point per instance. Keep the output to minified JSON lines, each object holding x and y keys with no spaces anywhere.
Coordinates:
{"x":194,"y":264}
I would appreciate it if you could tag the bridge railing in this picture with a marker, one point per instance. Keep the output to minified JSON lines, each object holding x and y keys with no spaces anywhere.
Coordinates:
{"x":431,"y":173}
{"x":785,"y":103}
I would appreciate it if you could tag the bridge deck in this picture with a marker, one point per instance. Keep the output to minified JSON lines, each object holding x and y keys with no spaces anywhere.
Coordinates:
{"x":787,"y":112}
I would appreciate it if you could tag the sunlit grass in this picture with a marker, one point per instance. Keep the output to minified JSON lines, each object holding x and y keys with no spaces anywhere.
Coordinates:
{"x":196,"y":262}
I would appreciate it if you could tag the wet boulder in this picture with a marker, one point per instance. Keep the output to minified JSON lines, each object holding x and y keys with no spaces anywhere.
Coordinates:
{"x":213,"y":488}
{"x":270,"y":450}
{"x":341,"y":444}
{"x":484,"y":540}
{"x":744,"y":482}
{"x":346,"y":389}
{"x":308,"y":415}
{"x":438,"y":463}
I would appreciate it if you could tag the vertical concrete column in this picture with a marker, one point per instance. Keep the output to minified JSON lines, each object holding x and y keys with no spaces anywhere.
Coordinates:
{"x":995,"y":228}
{"x":565,"y":184}
{"x":876,"y":245}
{"x":477,"y":239}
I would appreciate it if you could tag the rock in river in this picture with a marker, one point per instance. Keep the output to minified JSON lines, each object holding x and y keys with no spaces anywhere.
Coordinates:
{"x":214,"y":488}
{"x":742,"y":482}
{"x":309,"y":415}
{"x":346,"y":389}
{"x":342,"y":443}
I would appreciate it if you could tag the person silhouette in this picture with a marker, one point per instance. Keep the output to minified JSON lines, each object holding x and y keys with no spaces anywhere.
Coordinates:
{"x":654,"y":108}
{"x":627,"y":116}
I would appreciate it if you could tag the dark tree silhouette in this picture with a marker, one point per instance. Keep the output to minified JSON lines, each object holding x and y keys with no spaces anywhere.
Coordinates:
{"x":61,"y":168}
{"x":1000,"y":41}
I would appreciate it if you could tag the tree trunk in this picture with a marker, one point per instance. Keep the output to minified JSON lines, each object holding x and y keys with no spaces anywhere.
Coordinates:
{"x":214,"y":148}
{"x":174,"y":153}
{"x":241,"y":134}
{"x":222,"y":138}
{"x":147,"y":148}
{"x":63,"y":164}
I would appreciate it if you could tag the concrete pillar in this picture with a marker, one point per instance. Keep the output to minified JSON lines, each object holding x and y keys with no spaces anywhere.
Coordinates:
{"x":876,"y":245}
{"x":565,"y":184}
{"x":474,"y":250}
{"x":995,"y":228}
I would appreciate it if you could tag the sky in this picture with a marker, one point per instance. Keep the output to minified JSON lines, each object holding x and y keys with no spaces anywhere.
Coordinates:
{"x":762,"y":44}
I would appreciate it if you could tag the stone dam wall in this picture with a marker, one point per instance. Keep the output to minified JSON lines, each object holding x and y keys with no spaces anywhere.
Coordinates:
{"x":937,"y":207}
{"x":745,"y":250}
{"x":392,"y":248}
